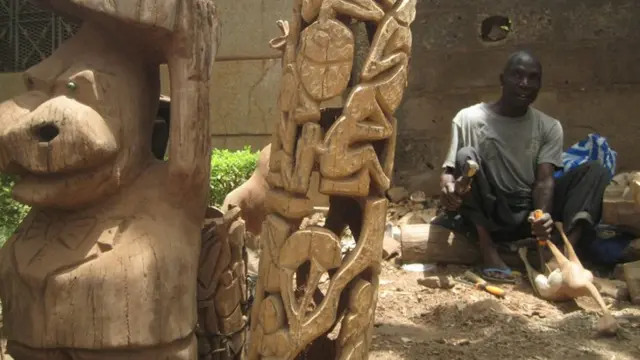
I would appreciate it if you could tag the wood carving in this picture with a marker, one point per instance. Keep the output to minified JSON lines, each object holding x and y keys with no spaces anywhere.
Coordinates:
{"x":250,"y":196}
{"x":569,"y":281}
{"x":353,"y":153}
{"x":222,"y":287}
{"x":105,"y":265}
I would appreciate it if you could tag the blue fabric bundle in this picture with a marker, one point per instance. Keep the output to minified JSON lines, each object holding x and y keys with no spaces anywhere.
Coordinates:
{"x":594,"y":147}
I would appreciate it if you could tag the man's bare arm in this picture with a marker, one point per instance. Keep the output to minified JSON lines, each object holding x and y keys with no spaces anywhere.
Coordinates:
{"x":544,"y":187}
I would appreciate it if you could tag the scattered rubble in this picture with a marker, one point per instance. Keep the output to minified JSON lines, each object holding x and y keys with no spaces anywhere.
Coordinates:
{"x":397,"y":194}
{"x":438,"y":282}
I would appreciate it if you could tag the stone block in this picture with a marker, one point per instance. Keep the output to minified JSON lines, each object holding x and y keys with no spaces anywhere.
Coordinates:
{"x":248,"y":25}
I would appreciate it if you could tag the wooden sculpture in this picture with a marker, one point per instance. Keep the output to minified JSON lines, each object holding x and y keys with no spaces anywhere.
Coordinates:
{"x":250,"y":196}
{"x":222,"y":288}
{"x":105,"y":265}
{"x":353,"y":154}
{"x":569,"y":281}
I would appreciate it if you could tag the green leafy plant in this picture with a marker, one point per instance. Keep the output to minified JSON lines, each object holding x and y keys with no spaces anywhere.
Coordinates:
{"x":11,"y":211}
{"x":229,"y":169}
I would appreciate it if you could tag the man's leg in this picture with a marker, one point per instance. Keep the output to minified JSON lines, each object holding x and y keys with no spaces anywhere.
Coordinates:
{"x":578,"y":199}
{"x":485,"y":208}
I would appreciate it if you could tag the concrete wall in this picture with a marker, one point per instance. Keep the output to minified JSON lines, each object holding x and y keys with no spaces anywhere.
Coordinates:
{"x":588,"y":50}
{"x":591,"y":76}
{"x":246,"y":73}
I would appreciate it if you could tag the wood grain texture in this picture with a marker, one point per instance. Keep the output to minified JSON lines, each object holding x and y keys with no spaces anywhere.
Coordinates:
{"x":105,"y":266}
{"x":353,"y":150}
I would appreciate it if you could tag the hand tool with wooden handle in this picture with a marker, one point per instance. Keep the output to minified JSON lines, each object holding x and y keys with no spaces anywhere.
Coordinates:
{"x":537,"y":215}
{"x":463,"y":183}
{"x":481,"y":284}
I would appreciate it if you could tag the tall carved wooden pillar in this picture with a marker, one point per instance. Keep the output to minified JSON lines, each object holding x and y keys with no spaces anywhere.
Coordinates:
{"x":293,"y":313}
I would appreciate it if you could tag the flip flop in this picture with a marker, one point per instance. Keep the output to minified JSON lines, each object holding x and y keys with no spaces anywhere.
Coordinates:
{"x":485,"y":274}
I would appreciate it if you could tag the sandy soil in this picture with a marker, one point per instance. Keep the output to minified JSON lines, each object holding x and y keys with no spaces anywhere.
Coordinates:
{"x":415,"y":323}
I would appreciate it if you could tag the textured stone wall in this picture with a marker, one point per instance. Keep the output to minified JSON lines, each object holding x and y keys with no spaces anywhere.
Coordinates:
{"x":588,"y":49}
{"x":591,"y":77}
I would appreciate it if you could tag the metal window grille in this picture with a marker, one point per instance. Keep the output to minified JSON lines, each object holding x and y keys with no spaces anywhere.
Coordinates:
{"x":29,"y":34}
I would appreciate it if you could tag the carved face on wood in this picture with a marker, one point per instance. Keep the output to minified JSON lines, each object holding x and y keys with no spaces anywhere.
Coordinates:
{"x":82,"y":130}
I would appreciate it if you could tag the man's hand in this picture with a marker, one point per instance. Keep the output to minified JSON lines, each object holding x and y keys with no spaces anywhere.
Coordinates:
{"x":448,"y":197}
{"x":541,"y":228}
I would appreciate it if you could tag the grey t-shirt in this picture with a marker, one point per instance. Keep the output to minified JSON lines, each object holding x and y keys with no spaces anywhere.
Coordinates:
{"x":511,"y":148}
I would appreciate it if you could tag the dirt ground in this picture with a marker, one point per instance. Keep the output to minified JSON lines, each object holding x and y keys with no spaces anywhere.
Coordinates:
{"x":414,"y":322}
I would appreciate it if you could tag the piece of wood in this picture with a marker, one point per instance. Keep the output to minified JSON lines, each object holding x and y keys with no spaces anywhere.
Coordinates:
{"x":632,"y":277}
{"x":614,"y":289}
{"x":353,"y":151}
{"x":222,"y":287}
{"x":428,"y":243}
{"x":390,"y":247}
{"x":569,"y":281}
{"x":105,"y":264}
{"x":250,"y":196}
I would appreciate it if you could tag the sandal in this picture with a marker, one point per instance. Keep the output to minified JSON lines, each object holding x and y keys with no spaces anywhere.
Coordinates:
{"x":509,"y":278}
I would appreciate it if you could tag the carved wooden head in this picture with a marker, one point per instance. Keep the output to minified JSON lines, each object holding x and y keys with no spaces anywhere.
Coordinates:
{"x":83,"y":127}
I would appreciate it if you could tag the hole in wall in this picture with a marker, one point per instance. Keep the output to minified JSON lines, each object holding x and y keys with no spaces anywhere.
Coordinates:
{"x":495,"y":28}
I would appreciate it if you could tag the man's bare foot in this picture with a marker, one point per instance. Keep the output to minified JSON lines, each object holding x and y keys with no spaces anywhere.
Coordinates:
{"x":493,"y":265}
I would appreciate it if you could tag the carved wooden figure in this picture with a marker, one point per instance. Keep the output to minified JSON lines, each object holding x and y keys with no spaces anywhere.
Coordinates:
{"x":353,"y":153}
{"x":250,"y":196}
{"x":222,"y":287}
{"x":569,"y":281}
{"x":105,"y":264}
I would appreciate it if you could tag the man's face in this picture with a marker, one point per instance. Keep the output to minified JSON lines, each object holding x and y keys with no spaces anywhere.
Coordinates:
{"x":521,"y":82}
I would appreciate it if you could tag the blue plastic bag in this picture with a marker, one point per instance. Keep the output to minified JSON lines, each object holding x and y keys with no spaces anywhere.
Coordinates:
{"x":594,"y":147}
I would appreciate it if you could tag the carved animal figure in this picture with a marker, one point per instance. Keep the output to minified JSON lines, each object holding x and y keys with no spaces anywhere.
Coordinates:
{"x":250,"y":196}
{"x":105,"y":265}
{"x":569,"y":281}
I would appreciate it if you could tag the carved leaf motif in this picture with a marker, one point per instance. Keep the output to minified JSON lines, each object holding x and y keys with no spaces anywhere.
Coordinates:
{"x":365,"y":10}
{"x":280,"y":42}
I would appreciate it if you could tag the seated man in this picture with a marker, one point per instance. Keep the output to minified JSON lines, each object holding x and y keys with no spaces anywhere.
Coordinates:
{"x":518,"y":149}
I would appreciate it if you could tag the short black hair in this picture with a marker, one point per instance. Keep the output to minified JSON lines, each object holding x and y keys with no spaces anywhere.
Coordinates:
{"x":521,"y":55}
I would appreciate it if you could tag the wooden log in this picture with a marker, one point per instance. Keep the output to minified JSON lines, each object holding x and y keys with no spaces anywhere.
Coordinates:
{"x":632,"y":277}
{"x":429,"y":244}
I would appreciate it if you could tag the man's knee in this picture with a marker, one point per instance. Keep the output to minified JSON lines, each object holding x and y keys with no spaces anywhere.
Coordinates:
{"x":466,"y":153}
{"x":595,"y":169}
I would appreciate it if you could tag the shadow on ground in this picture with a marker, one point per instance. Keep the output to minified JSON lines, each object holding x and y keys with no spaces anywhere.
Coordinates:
{"x":488,"y":330}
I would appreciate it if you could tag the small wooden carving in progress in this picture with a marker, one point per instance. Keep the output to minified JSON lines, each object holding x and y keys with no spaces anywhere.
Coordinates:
{"x":569,"y":281}
{"x":105,"y":265}
{"x":353,"y":151}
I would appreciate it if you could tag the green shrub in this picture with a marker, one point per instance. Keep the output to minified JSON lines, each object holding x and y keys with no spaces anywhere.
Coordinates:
{"x":229,"y":169}
{"x":11,"y":212}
